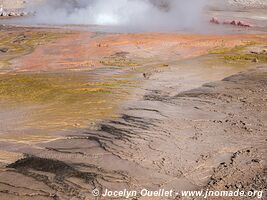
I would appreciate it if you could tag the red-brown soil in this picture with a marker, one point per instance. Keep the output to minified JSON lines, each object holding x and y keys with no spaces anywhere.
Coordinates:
{"x":87,"y":50}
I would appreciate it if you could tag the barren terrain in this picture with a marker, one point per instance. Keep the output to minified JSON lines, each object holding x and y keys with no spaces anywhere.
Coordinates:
{"x":84,"y":109}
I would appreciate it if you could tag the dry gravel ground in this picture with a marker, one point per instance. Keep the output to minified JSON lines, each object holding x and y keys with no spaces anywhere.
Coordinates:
{"x":248,"y":3}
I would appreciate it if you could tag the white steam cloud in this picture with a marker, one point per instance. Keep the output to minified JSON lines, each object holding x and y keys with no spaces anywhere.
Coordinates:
{"x":142,"y":14}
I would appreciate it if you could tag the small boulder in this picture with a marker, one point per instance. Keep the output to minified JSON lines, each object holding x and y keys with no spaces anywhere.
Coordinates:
{"x":4,"y":50}
{"x":214,"y":20}
{"x":255,"y":60}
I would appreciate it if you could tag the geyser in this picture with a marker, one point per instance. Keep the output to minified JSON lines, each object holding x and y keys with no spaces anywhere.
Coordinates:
{"x":139,"y":14}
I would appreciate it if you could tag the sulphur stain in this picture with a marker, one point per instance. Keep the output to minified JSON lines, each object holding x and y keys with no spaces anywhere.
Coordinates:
{"x":63,"y":100}
{"x":240,"y":55}
{"x":119,"y":62}
{"x":247,"y":57}
{"x":237,"y":48}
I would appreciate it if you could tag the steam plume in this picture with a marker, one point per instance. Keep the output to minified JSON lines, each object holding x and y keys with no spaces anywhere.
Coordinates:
{"x":124,"y":13}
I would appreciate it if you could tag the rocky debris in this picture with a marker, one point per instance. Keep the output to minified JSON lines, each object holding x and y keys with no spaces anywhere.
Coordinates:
{"x":215,"y":20}
{"x":258,"y":52}
{"x":10,"y":13}
{"x":237,"y":23}
{"x":245,"y":171}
